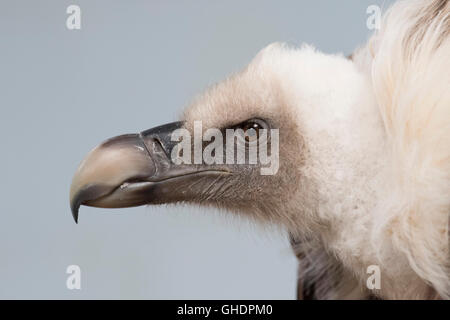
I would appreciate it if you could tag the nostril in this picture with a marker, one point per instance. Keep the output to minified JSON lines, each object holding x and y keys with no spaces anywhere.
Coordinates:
{"x":160,"y":145}
{"x":159,"y":140}
{"x":155,"y":146}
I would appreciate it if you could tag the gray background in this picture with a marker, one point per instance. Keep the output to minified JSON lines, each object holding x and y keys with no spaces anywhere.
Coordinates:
{"x":132,"y":66}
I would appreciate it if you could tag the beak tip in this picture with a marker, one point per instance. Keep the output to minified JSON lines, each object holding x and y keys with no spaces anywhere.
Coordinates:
{"x":75,"y":213}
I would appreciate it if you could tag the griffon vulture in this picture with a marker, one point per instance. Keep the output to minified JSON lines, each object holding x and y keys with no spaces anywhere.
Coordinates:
{"x":364,"y":158}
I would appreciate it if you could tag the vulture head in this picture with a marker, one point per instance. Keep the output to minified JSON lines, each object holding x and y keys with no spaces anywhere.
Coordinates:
{"x":347,"y":157}
{"x":253,"y":108}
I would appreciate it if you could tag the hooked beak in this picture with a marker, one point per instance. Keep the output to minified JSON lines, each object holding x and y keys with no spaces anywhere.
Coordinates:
{"x":133,"y":170}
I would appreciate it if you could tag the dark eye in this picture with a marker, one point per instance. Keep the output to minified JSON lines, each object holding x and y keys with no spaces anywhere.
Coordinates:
{"x":252,"y":129}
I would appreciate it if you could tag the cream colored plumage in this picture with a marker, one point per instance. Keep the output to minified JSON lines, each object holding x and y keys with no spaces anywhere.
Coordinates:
{"x":409,"y":66}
